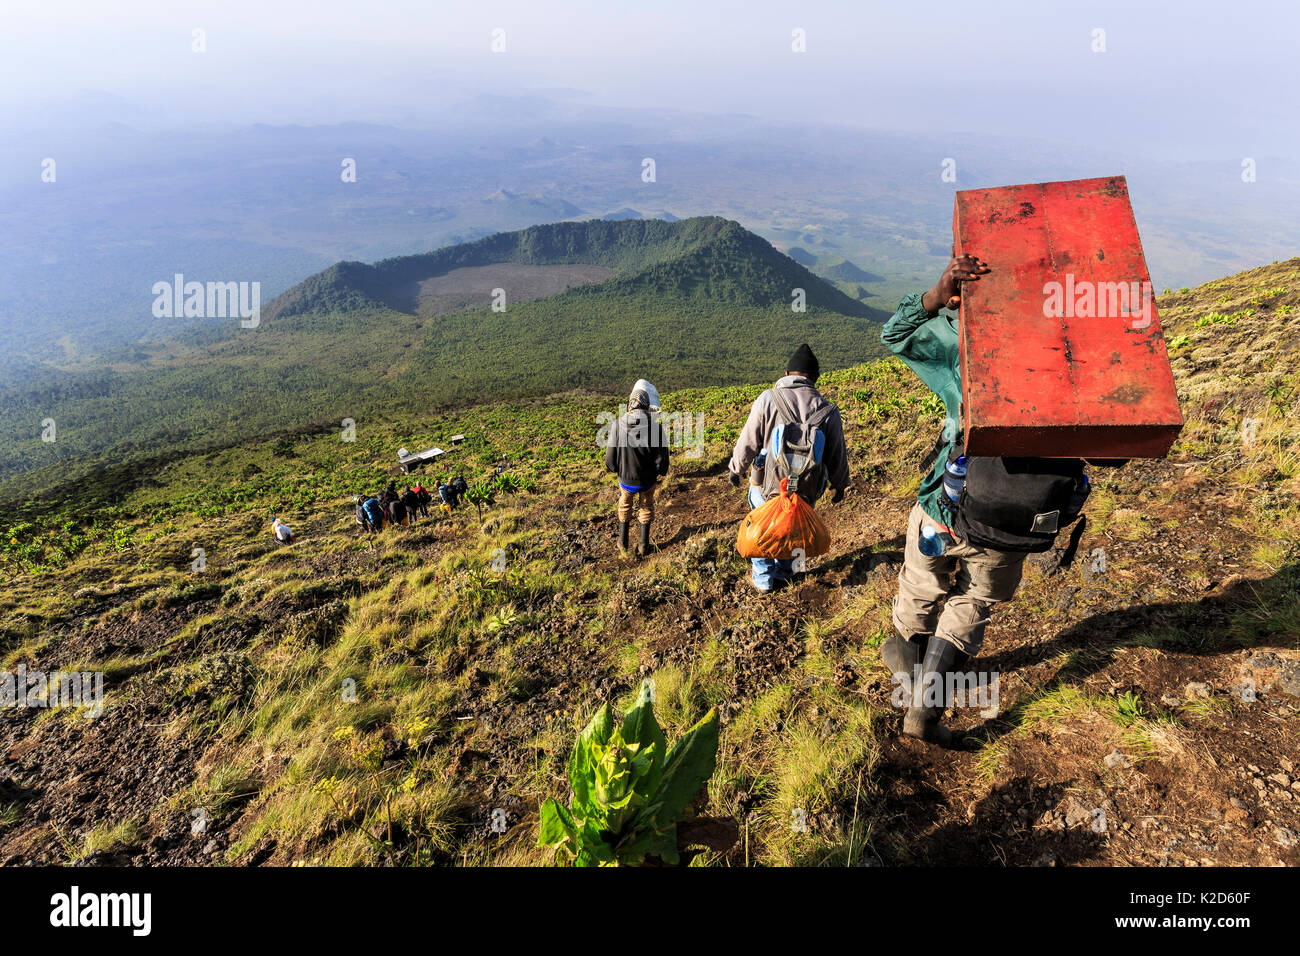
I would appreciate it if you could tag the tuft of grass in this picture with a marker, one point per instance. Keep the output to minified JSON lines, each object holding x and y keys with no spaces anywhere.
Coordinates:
{"x":817,"y":812}
{"x":107,"y":837}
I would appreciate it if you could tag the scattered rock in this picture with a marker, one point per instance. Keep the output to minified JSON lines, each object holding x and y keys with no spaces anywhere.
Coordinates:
{"x":1197,"y":689}
{"x":1049,"y":562}
{"x":1076,"y":814}
{"x":1274,"y":671}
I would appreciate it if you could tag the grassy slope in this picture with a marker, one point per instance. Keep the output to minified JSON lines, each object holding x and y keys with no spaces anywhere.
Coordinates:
{"x":471,"y":683}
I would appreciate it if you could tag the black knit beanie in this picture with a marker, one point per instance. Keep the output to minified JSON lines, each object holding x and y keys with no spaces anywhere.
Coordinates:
{"x":804,"y":361}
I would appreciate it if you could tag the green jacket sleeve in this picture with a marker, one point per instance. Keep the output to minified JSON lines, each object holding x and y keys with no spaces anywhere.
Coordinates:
{"x":927,"y":343}
{"x":911,"y":315}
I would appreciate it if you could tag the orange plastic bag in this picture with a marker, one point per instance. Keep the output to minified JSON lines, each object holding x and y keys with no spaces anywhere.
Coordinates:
{"x":782,"y":527}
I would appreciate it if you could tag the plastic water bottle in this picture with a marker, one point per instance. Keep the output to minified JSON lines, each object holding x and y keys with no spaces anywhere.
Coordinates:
{"x":1081,"y":489}
{"x":931,"y":543}
{"x":954,"y":478}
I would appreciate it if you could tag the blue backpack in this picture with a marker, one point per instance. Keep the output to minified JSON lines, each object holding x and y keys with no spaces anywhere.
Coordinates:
{"x":374,"y":512}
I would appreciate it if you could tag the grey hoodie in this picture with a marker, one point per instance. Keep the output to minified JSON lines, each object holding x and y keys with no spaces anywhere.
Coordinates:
{"x":805,"y":399}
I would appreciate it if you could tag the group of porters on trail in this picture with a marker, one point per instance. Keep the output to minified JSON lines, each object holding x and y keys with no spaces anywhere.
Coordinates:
{"x":974,"y":523}
{"x":391,"y":507}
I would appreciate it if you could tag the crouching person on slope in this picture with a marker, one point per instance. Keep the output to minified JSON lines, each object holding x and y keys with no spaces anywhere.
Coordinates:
{"x":791,"y":429}
{"x":637,"y":451}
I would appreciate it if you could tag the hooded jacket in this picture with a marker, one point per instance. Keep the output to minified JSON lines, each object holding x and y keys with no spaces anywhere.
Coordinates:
{"x":637,"y":448}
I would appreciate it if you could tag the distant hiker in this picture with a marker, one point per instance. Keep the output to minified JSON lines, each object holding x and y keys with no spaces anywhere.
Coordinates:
{"x":281,"y":531}
{"x":975,"y":520}
{"x":422,"y":498}
{"x":411,"y":502}
{"x":637,"y":451}
{"x":389,"y":494}
{"x":790,"y":413}
{"x":396,"y":512}
{"x":460,"y":486}
{"x":447,"y":495}
{"x":373,"y":514}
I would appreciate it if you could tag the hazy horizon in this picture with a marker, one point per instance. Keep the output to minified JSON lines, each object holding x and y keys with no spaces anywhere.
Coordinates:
{"x":219,"y":152}
{"x":1020,"y":69}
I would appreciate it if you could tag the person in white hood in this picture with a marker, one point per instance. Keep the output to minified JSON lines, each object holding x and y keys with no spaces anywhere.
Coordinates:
{"x":637,"y":451}
{"x":281,"y":532}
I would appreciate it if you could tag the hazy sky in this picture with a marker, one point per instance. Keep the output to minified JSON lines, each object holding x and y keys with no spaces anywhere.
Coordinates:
{"x":1196,"y":78}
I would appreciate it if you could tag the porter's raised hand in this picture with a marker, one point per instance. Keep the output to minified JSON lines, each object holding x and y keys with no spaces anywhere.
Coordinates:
{"x":946,"y":293}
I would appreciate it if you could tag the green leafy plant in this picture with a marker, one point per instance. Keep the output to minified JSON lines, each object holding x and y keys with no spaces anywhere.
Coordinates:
{"x":481,"y":496}
{"x":1128,"y":709}
{"x":506,"y":484}
{"x":629,"y":788}
{"x":502,"y":620}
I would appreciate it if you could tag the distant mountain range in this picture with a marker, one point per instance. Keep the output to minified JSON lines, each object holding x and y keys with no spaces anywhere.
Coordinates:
{"x":269,"y":204}
{"x":594,"y":305}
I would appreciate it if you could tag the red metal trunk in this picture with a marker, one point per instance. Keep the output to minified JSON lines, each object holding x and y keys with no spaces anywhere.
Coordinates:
{"x":1061,"y":350}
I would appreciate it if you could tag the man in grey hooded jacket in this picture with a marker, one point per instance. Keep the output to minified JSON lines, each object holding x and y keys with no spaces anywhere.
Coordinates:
{"x":795,"y":392}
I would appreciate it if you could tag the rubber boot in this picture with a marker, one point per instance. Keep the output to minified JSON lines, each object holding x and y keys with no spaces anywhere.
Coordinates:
{"x":902,"y":654}
{"x":622,"y":535}
{"x":921,"y":721}
{"x":644,"y":547}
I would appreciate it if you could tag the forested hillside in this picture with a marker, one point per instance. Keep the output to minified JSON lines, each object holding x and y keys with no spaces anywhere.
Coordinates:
{"x":694,"y":302}
{"x":705,"y":257}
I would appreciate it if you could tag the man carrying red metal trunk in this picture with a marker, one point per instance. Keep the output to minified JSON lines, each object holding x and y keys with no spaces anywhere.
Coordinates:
{"x":973,"y":525}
